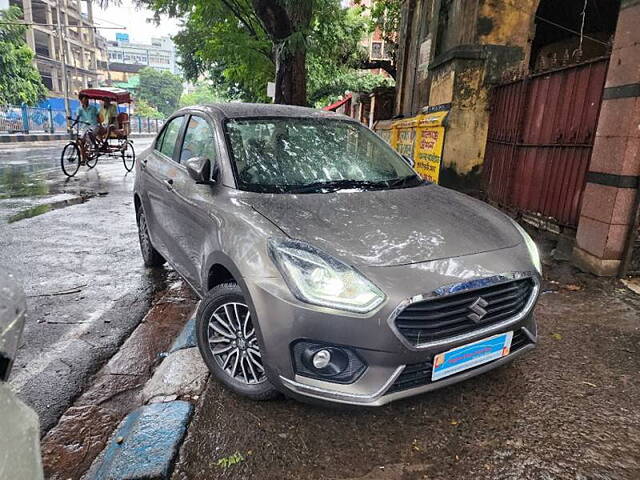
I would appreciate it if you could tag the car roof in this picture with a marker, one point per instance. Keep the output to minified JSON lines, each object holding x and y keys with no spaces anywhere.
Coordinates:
{"x":246,"y":110}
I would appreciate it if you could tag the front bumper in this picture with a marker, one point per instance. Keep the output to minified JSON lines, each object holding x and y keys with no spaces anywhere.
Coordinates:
{"x":283,"y":320}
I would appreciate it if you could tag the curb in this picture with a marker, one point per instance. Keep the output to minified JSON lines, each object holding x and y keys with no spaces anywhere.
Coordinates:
{"x":20,"y":137}
{"x":187,"y":338}
{"x":52,"y":137}
{"x":146,"y":442}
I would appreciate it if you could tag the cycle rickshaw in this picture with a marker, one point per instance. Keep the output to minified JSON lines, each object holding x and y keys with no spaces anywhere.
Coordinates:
{"x":86,"y":148}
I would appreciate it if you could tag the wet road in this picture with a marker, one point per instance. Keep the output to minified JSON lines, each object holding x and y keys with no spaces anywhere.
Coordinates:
{"x":568,"y":410}
{"x":73,"y":243}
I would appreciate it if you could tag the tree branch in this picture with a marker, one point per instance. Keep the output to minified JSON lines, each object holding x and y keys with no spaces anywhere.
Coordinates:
{"x":236,"y":10}
{"x":385,"y":65}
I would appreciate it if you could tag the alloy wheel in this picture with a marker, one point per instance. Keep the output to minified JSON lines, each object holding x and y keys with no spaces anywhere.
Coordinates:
{"x":233,"y":343}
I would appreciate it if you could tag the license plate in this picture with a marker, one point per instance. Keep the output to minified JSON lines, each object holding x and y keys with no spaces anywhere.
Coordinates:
{"x":471,"y":355}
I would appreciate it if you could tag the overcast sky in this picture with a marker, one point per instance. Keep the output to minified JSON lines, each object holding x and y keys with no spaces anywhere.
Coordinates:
{"x":135,"y":21}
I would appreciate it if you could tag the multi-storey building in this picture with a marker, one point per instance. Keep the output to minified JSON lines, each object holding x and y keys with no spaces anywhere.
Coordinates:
{"x":160,"y":54}
{"x":78,"y":42}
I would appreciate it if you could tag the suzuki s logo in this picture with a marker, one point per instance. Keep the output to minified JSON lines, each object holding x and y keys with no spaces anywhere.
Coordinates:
{"x":477,"y":310}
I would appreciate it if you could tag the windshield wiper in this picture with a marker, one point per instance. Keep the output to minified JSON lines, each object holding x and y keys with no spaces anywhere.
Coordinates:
{"x":334,"y":185}
{"x":408,"y":181}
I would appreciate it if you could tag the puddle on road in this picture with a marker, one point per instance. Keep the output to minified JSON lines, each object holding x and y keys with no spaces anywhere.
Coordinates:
{"x":47,"y":207}
{"x":31,"y":184}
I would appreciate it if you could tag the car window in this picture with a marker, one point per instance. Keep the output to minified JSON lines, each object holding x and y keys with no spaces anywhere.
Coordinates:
{"x":158,"y":144}
{"x":307,"y":155}
{"x":198,"y":140}
{"x":169,"y":136}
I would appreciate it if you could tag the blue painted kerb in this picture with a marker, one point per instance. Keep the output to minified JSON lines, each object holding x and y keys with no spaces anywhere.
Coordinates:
{"x":150,"y":437}
{"x":187,"y":337}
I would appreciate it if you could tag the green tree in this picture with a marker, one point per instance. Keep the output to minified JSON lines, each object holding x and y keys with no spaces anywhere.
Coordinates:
{"x":20,"y":81}
{"x":243,"y":44}
{"x":143,"y":109}
{"x":348,"y":81}
{"x":202,"y":94}
{"x":160,"y":89}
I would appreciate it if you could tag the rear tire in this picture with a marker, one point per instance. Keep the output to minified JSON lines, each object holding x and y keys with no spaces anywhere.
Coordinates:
{"x":231,"y":352}
{"x":70,"y":159}
{"x":150,"y":256}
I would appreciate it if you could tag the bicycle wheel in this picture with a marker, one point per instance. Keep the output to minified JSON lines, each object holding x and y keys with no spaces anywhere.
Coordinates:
{"x":92,"y":159}
{"x":70,"y":159}
{"x":128,"y":156}
{"x":91,"y":154}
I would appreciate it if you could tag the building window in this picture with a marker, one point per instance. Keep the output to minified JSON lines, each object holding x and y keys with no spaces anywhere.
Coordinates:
{"x":376,"y":50}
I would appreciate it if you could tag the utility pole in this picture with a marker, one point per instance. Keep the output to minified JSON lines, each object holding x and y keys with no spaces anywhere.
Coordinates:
{"x":63,"y":61}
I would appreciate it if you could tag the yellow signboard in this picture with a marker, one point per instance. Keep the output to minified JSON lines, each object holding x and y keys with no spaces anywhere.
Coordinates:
{"x":421,"y":139}
{"x":403,"y":137}
{"x":429,"y":143}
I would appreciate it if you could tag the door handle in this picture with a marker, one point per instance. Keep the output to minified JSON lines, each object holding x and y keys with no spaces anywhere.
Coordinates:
{"x":144,"y":163}
{"x":169,"y":183}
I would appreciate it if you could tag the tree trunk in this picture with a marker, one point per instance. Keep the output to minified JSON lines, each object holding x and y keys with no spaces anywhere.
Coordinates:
{"x":291,"y":76}
{"x":286,"y":22}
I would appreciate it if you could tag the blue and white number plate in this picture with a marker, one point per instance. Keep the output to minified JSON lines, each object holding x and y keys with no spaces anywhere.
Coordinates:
{"x":471,"y":355}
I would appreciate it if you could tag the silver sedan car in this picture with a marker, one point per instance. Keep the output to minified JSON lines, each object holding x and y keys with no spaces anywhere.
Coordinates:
{"x":327,"y":268}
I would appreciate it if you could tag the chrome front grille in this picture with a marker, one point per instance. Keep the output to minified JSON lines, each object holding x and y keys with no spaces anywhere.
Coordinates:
{"x":460,"y":313}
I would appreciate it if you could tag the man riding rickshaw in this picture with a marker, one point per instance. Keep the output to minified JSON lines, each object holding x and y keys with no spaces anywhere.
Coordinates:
{"x":99,"y":132}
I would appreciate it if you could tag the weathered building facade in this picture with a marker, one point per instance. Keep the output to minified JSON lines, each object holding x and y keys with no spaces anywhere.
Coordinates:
{"x":531,"y":114}
{"x":77,"y":48}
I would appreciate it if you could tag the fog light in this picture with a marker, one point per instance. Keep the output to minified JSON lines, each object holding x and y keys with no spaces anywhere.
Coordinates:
{"x":331,"y":363}
{"x":321,"y":359}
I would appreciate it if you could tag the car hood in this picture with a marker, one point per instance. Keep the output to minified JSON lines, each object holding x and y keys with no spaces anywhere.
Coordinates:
{"x":390,"y":227}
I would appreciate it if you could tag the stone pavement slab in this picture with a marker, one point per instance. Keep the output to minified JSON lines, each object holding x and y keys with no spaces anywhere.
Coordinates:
{"x":182,"y":373}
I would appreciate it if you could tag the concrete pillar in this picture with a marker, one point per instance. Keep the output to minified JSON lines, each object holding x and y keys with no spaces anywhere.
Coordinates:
{"x":27,"y":9}
{"x":609,"y":202}
{"x":55,"y":80}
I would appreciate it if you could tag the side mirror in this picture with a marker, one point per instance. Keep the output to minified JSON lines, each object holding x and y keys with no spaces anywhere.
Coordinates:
{"x":201,"y":170}
{"x":410,"y":162}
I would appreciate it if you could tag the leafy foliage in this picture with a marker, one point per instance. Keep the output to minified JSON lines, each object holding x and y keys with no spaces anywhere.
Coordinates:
{"x":203,"y":93}
{"x":161,"y":90}
{"x":20,"y":81}
{"x":349,"y":81}
{"x":143,"y":109}
{"x":225,"y":41}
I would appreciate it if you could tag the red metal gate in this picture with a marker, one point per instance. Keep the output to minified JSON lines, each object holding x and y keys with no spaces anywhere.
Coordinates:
{"x":541,"y":132}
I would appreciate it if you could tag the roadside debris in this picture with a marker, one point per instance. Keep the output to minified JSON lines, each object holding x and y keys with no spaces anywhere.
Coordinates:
{"x":229,"y":461}
{"x":632,"y":284}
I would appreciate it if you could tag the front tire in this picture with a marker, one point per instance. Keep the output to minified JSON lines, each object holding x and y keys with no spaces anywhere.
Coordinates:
{"x":150,"y":255}
{"x":228,"y":343}
{"x":70,"y":159}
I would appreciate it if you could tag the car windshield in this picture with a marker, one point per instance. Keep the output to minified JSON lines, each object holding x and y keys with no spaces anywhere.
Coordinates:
{"x":303,"y":155}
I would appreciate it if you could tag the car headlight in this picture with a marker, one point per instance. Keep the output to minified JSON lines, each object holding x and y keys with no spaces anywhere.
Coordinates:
{"x":531,"y":246}
{"x":317,"y":278}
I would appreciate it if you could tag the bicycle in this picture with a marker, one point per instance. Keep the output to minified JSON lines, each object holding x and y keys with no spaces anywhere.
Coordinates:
{"x":81,"y":151}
